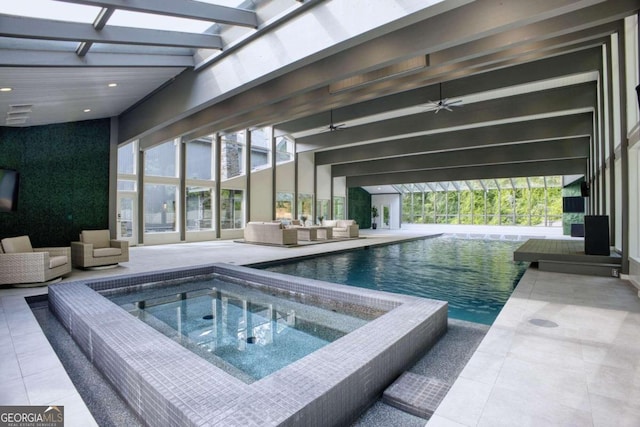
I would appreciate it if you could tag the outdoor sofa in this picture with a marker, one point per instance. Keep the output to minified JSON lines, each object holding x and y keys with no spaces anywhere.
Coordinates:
{"x":22,"y":264}
{"x":273,"y":233}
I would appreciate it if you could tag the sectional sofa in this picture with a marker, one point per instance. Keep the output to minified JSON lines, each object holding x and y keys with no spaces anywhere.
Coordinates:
{"x":273,"y":233}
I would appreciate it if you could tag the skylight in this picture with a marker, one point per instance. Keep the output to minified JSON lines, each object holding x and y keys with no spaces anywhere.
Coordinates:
{"x":50,"y":9}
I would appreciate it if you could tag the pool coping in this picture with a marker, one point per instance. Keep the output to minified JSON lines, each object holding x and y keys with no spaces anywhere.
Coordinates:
{"x":176,"y":387}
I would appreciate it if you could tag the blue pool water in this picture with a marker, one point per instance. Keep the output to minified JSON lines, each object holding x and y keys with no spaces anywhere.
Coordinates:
{"x":246,"y":332}
{"x":475,"y":276}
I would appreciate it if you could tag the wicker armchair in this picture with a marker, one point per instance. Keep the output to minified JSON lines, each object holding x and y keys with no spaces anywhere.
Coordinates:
{"x":97,"y":249}
{"x":21,"y":264}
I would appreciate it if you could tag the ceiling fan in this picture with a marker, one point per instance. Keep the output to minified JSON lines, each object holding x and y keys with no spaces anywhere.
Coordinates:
{"x":443,"y":103}
{"x":332,"y":127}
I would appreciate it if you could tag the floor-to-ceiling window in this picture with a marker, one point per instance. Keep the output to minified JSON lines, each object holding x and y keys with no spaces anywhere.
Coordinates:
{"x":161,"y":183}
{"x":535,"y":201}
{"x":231,"y":209}
{"x":260,"y":148}
{"x":284,"y":206}
{"x":233,"y":181}
{"x":200,"y":184}
{"x":305,"y":205}
{"x":127,"y":197}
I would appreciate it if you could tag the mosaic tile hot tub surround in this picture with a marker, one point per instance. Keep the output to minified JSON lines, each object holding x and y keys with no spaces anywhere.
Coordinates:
{"x":167,"y":385}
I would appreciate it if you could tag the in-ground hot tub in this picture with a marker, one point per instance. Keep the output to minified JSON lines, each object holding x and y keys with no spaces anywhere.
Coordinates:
{"x":166,"y":384}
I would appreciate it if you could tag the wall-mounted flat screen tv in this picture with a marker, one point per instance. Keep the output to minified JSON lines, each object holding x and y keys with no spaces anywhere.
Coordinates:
{"x":574,"y":204}
{"x":9,"y":183}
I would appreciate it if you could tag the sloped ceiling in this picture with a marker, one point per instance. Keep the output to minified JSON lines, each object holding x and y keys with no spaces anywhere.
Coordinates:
{"x":529,"y":75}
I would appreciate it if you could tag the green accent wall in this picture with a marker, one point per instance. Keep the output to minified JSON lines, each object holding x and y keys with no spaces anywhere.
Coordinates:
{"x":64,"y":180}
{"x":360,"y":207}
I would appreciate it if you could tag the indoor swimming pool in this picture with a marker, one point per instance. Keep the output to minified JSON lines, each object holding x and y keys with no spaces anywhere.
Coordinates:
{"x":475,"y":276}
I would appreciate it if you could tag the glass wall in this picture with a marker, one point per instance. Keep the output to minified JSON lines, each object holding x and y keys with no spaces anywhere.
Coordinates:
{"x":322,"y":210}
{"x":533,"y":201}
{"x":232,"y":161}
{"x":339,"y":208}
{"x":200,"y":184}
{"x":284,"y":149}
{"x":161,"y":201}
{"x":305,"y":205}
{"x":231,"y":209}
{"x":284,"y":206}
{"x":260,"y":148}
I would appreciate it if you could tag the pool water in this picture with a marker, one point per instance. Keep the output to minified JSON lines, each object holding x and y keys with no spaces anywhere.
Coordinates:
{"x":476,"y":276}
{"x":248,"y":333}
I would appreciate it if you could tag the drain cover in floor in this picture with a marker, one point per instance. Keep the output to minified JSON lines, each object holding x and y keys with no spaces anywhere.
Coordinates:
{"x":416,"y":394}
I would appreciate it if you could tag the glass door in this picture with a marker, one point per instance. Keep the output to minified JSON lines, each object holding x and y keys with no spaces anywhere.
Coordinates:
{"x":386,"y":216}
{"x":127,"y":214}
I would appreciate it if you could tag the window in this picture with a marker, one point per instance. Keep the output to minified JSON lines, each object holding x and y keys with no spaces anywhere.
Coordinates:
{"x":323,"y":209}
{"x":535,"y":201}
{"x":284,"y":206}
{"x":260,"y":148}
{"x":127,"y":167}
{"x":199,"y":204}
{"x":127,"y":159}
{"x":305,"y":205}
{"x":232,"y":155}
{"x":200,"y":159}
{"x":338,"y":208}
{"x":161,"y":160}
{"x":160,"y":208}
{"x":200,"y":184}
{"x":284,"y":149}
{"x":231,"y":209}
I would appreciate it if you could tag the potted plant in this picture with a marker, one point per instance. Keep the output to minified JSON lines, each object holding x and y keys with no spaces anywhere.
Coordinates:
{"x":374,"y":215}
{"x":320,"y":219}
{"x":303,"y":218}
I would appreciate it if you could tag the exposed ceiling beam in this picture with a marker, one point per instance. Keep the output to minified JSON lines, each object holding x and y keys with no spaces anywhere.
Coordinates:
{"x":182,"y":9}
{"x":570,"y":98}
{"x":524,"y":169}
{"x":99,"y":23}
{"x":582,"y":61}
{"x":514,"y":153}
{"x":521,"y":131}
{"x":35,"y":58}
{"x":45,"y":29}
{"x":472,"y":21}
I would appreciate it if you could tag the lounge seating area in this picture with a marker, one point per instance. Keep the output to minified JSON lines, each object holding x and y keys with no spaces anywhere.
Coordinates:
{"x":23,"y":265}
{"x":97,"y":249}
{"x":343,"y":227}
{"x":273,"y":233}
{"x":293,"y":232}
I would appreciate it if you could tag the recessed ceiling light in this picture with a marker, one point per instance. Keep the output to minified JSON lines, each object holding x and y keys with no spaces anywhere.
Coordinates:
{"x":86,"y":110}
{"x":6,"y":89}
{"x":112,"y":84}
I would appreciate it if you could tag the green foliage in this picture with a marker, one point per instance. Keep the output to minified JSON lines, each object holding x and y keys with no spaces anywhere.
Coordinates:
{"x":521,"y":206}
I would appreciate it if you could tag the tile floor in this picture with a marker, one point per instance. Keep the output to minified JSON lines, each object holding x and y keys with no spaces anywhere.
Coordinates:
{"x":565,"y":350}
{"x":527,"y":371}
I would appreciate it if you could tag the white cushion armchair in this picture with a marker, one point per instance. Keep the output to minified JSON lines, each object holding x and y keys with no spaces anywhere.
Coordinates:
{"x":21,"y":264}
{"x":97,"y":249}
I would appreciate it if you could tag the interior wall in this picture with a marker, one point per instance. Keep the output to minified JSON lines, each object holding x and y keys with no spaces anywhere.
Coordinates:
{"x":261,"y":195}
{"x":394,"y":201}
{"x":323,"y":176}
{"x":64,"y":180}
{"x":360,"y":207}
{"x":285,"y":177}
{"x":305,"y":172}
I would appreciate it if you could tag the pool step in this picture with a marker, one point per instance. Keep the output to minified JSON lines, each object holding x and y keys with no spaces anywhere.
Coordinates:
{"x":589,"y":269}
{"x":416,"y":394}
